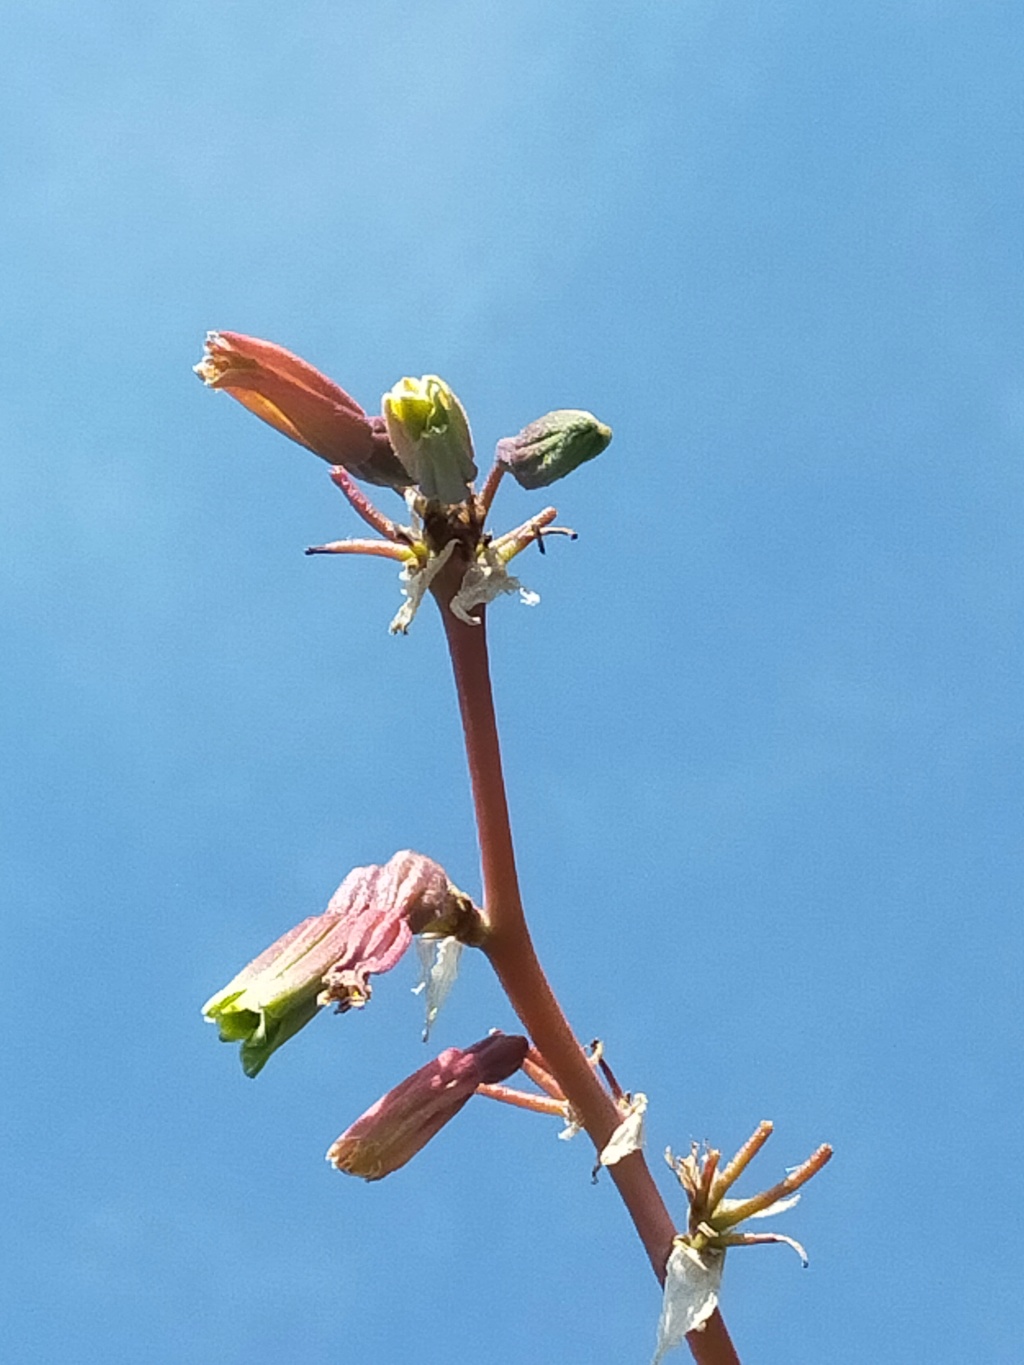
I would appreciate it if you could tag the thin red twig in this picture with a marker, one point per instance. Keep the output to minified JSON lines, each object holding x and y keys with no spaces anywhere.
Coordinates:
{"x":486,"y":495}
{"x":384,"y":548}
{"x":538,"y":1104}
{"x":372,"y":515}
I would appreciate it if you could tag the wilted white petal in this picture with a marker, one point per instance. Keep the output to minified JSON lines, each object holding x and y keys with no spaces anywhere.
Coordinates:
{"x":415,"y":580}
{"x":788,"y":1241}
{"x":572,"y":1127}
{"x":439,"y":960}
{"x":780,"y":1206}
{"x":629,"y":1136}
{"x":692,"y":1282}
{"x":484,"y":580}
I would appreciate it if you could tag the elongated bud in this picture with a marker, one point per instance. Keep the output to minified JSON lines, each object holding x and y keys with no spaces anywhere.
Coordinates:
{"x":430,"y":433}
{"x":552,"y":446}
{"x":301,"y":403}
{"x":404,"y":1120}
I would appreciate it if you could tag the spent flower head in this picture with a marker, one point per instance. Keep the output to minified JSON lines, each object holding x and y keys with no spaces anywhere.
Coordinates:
{"x":694,"y":1270}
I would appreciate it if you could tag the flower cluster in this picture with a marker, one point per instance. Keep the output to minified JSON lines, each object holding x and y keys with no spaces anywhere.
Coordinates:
{"x":422,"y":447}
{"x":328,"y":959}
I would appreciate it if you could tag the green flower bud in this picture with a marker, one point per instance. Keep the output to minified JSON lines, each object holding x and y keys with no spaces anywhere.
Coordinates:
{"x":552,"y":446}
{"x":276,"y":995}
{"x":430,"y":435}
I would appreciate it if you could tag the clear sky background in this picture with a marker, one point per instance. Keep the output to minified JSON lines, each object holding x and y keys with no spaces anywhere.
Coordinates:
{"x":762,"y":734}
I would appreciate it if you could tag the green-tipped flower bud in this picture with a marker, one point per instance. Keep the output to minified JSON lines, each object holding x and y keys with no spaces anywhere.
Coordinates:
{"x":430,"y":435}
{"x":552,"y":446}
{"x":329,"y":958}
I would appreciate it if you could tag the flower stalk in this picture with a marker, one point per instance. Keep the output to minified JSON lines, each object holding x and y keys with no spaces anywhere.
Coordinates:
{"x":510,"y":949}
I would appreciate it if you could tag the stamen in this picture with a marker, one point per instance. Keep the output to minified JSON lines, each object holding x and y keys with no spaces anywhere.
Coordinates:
{"x":512,"y":542}
{"x":735,"y":1168}
{"x":748,"y":1207}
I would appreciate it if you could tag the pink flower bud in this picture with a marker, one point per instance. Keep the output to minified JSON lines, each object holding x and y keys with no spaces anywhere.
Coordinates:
{"x":405,"y":1119}
{"x":302,"y":404}
{"x":329,"y":958}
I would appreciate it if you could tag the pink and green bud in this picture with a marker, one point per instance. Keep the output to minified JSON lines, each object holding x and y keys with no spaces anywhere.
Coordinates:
{"x":301,"y":403}
{"x":276,"y":995}
{"x":430,"y":434}
{"x":329,"y":958}
{"x":404,"y":1120}
{"x":552,"y":446}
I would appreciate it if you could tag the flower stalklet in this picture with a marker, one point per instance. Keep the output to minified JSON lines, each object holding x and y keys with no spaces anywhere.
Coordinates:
{"x":329,"y":958}
{"x":404,"y":1120}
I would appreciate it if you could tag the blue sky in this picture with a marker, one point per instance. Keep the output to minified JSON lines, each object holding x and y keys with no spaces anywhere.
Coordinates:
{"x":762,"y":734}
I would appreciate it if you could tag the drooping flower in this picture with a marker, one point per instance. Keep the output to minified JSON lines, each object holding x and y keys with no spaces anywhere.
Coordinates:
{"x":552,"y":446}
{"x":404,"y":1120}
{"x":329,"y":958}
{"x":430,"y":433}
{"x":302,"y":404}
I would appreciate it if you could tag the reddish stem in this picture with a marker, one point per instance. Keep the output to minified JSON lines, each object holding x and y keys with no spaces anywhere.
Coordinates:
{"x":539,"y":1074}
{"x":513,"y":958}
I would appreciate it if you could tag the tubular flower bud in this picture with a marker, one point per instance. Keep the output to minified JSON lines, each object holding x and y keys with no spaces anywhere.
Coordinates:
{"x":328,"y":958}
{"x":430,"y":434}
{"x":404,"y":1120}
{"x":552,"y":446}
{"x":302,"y":404}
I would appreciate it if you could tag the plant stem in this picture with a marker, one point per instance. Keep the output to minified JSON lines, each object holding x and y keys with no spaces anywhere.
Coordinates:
{"x":511,"y":953}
